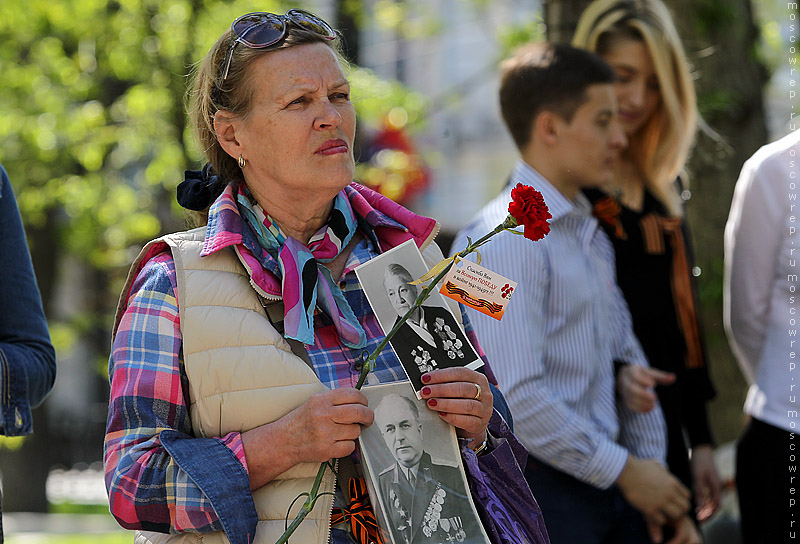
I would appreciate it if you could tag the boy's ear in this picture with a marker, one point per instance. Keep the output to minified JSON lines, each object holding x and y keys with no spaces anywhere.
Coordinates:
{"x":546,"y":127}
{"x":225,"y":127}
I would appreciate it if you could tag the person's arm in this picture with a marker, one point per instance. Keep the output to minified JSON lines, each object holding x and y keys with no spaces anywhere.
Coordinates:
{"x":27,"y":358}
{"x":162,"y":478}
{"x":546,"y":426}
{"x":158,"y":476}
{"x":752,"y":244}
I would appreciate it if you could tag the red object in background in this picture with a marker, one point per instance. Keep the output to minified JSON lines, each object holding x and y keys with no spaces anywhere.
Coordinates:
{"x":392,"y":166}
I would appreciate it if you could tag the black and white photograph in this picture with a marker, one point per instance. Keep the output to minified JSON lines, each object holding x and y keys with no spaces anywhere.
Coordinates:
{"x":431,"y":338}
{"x":415,"y":474}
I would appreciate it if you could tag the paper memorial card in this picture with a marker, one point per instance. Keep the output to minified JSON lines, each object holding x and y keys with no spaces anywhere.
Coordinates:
{"x":479,"y":288}
{"x":414,"y":472}
{"x":432,"y":338}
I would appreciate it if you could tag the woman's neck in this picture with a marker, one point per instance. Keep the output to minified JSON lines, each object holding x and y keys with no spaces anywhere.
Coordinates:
{"x":300,"y":217}
{"x":627,"y":185}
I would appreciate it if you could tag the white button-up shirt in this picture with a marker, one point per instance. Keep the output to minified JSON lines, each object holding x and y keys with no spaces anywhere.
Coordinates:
{"x":762,"y":279}
{"x":566,"y":323}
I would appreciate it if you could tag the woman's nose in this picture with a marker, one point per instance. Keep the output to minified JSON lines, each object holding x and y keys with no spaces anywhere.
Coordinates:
{"x":636,"y":93}
{"x":328,"y":117}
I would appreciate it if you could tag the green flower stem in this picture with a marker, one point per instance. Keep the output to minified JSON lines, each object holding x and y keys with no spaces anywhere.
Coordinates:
{"x":369,"y":364}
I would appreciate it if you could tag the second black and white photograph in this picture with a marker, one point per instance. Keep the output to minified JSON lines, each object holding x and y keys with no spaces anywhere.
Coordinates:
{"x":431,"y":338}
{"x":415,"y":472}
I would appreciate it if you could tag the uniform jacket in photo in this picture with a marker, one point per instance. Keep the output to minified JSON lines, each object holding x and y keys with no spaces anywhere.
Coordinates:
{"x":436,"y":510}
{"x":419,"y":357}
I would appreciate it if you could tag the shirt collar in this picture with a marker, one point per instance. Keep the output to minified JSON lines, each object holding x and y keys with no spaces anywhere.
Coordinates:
{"x":558,"y":204}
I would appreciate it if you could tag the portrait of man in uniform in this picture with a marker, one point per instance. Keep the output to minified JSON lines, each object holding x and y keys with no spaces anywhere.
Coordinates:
{"x":425,"y":499}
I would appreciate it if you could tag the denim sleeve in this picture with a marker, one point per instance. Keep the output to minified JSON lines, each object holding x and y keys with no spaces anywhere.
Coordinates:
{"x":159,"y":476}
{"x":27,"y":358}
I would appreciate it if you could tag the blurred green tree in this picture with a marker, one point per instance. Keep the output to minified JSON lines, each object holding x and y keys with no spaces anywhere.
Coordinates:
{"x":95,"y":141}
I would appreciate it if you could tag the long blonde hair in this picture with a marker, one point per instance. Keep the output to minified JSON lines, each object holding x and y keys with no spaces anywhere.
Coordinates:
{"x":661,"y":147}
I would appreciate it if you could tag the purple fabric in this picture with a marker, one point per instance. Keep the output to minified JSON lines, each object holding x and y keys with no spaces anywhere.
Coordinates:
{"x":505,"y":504}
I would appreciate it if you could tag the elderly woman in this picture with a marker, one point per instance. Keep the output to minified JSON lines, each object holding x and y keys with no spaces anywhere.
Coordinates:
{"x":217,"y":421}
{"x":430,"y":338}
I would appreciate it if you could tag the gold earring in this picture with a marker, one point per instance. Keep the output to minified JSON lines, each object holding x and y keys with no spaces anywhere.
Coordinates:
{"x":242,"y":163}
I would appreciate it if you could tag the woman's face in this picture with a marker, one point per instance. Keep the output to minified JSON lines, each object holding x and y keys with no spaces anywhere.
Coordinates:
{"x":637,"y":86}
{"x":401,"y":294}
{"x":298,"y":135}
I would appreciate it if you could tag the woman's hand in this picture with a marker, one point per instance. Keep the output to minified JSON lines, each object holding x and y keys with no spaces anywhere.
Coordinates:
{"x":328,"y":423}
{"x":636,"y":384}
{"x":463,"y":398}
{"x":706,"y":482}
{"x":322,"y":428}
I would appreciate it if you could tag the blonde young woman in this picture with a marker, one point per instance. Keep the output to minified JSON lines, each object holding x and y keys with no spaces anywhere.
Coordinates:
{"x":642,"y":211}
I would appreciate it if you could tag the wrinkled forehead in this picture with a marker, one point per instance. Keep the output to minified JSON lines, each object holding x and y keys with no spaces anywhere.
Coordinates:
{"x":397,"y":279}
{"x":312,"y":66}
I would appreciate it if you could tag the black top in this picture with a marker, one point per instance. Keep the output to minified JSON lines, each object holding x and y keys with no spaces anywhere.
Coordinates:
{"x":645,"y":280}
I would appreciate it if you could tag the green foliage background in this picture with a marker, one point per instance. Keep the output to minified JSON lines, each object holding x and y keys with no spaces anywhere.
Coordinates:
{"x":94,"y":132}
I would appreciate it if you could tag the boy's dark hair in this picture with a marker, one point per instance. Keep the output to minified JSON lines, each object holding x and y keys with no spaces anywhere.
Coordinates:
{"x":543,"y":76}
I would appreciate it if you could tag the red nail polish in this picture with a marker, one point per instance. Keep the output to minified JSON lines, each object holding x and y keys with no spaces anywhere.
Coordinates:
{"x":426,"y":391}
{"x":432,"y":403}
{"x":426,"y":378}
{"x":442,"y":414}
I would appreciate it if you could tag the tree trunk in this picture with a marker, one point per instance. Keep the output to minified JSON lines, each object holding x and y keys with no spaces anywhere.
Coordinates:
{"x":720,"y":38}
{"x":347,"y":12}
{"x":25,"y":469}
{"x":561,"y":18}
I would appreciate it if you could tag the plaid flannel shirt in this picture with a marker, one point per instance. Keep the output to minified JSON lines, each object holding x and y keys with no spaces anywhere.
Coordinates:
{"x":147,"y":475}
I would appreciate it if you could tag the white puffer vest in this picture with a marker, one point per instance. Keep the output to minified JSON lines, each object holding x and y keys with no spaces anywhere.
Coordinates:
{"x":242,"y":374}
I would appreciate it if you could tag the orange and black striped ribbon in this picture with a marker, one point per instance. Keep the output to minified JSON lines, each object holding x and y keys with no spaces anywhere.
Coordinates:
{"x":359,"y":514}
{"x":654,"y":229}
{"x":607,"y":210}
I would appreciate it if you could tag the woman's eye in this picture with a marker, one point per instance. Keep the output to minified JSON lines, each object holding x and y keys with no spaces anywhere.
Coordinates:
{"x":341,"y":96}
{"x":299,"y":100}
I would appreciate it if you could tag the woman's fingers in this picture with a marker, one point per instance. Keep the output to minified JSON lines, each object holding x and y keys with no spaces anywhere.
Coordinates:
{"x":462,"y":397}
{"x":328,"y":423}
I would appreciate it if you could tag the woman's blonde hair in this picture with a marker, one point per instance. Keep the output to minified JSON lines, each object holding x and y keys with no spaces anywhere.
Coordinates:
{"x":661,"y":147}
{"x":209,"y":94}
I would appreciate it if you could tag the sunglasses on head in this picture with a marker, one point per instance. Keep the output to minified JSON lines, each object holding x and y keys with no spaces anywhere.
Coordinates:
{"x":262,"y":29}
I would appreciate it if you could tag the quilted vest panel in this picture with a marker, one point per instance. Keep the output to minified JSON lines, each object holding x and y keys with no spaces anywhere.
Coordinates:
{"x":242,"y":374}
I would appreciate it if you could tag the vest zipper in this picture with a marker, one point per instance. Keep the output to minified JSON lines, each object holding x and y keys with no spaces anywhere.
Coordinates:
{"x":253,"y":284}
{"x":330,"y":514}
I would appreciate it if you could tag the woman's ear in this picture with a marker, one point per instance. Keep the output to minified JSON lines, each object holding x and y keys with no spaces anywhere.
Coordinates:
{"x":226,"y":125}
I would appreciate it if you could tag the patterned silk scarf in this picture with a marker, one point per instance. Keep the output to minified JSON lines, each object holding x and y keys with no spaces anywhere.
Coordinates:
{"x":304,"y":283}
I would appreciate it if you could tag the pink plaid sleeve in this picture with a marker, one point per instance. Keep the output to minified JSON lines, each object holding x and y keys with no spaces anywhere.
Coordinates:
{"x":149,"y":489}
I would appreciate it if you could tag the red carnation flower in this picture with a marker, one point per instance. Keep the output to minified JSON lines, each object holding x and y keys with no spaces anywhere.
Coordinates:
{"x":527,"y":206}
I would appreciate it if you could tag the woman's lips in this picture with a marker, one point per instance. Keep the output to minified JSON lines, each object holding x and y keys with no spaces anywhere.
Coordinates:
{"x":332,"y":147}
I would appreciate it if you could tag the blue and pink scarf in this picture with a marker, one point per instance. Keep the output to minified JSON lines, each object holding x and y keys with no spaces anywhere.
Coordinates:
{"x":304,"y":282}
